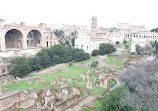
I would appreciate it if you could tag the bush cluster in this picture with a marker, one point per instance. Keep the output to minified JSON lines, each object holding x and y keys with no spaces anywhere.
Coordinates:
{"x":104,"y":48}
{"x":47,"y":57}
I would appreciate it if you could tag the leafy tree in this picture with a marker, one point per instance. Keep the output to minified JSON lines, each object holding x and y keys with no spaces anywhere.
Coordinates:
{"x":148,"y":49}
{"x":20,"y":67}
{"x":35,"y":63}
{"x":95,"y":53}
{"x":139,"y":50}
{"x":73,"y":41}
{"x":154,"y":30}
{"x":67,"y":42}
{"x":45,"y":58}
{"x":117,"y":42}
{"x":106,"y":48}
{"x":59,"y":33}
{"x":155,"y":45}
{"x":112,"y":101}
{"x":80,"y":55}
{"x":141,"y":82}
{"x":59,"y":54}
{"x":124,"y":41}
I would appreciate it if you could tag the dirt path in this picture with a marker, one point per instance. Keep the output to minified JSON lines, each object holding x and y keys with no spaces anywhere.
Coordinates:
{"x":51,"y":69}
{"x":78,"y":107}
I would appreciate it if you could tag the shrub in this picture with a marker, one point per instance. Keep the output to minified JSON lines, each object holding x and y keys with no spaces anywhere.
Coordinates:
{"x":95,"y":52}
{"x":106,"y":48}
{"x":124,"y":41}
{"x":112,"y":101}
{"x":117,"y":42}
{"x":80,"y":56}
{"x":126,"y":46}
{"x":20,"y":67}
{"x":94,"y":64}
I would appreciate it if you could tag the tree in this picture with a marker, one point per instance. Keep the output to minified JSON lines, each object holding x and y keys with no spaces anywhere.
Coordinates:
{"x":59,"y":33}
{"x":124,"y":41}
{"x":59,"y":54}
{"x":154,"y":45}
{"x":35,"y":63}
{"x":20,"y":67}
{"x":73,"y":41}
{"x":80,"y":55}
{"x":95,"y":52}
{"x":112,"y":101}
{"x":139,"y":50}
{"x":141,"y":82}
{"x":154,"y":30}
{"x":67,"y":42}
{"x":106,"y":48}
{"x":117,"y":42}
{"x":45,"y":58}
{"x":148,"y":48}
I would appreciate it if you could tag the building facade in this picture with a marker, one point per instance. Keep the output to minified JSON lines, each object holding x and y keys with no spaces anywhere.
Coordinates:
{"x":142,"y":38}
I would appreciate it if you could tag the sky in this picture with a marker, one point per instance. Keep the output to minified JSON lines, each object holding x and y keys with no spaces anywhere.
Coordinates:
{"x":79,"y":12}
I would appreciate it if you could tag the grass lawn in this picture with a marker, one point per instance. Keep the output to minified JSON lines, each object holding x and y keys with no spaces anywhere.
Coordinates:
{"x":85,"y":110}
{"x":96,"y":91}
{"x":113,"y":61}
{"x":70,"y":71}
{"x":88,"y":61}
{"x":112,"y":83}
{"x":97,"y":103}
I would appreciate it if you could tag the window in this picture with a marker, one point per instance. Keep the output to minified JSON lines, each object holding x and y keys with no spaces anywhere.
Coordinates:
{"x":81,"y":46}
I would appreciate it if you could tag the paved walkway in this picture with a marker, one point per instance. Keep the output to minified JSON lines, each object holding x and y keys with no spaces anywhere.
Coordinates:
{"x":78,"y":107}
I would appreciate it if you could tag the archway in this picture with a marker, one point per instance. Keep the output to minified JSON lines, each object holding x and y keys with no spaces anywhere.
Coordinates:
{"x":34,"y":38}
{"x":111,"y":83}
{"x":13,"y":39}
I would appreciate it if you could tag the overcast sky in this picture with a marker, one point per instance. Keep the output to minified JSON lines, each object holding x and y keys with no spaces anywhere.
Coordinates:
{"x":79,"y":12}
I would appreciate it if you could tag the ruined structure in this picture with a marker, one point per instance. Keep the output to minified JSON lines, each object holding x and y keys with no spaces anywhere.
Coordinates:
{"x":46,"y":99}
{"x":20,"y":36}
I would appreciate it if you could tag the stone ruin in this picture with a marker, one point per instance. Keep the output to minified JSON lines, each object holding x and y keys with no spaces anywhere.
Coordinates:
{"x":76,"y":90}
{"x":103,"y":80}
{"x":83,"y":77}
{"x":89,"y":84}
{"x":46,"y":99}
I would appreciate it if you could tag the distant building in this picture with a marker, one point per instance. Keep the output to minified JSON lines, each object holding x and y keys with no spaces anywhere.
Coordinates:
{"x":136,"y":29}
{"x":90,"y":41}
{"x":117,"y":36}
{"x":142,"y":38}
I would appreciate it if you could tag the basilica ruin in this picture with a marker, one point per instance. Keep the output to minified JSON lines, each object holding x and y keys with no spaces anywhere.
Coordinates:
{"x":21,"y":36}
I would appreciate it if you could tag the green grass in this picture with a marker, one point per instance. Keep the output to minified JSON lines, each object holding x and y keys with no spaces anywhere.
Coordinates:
{"x":97,"y":103}
{"x":88,"y":61}
{"x":96,"y":91}
{"x":112,"y":83}
{"x":84,"y":109}
{"x":113,"y":61}
{"x":72,"y":71}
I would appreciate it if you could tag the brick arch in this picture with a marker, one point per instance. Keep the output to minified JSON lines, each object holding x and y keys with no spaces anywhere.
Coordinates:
{"x":34,"y":38}
{"x":13,"y":39}
{"x":110,"y":77}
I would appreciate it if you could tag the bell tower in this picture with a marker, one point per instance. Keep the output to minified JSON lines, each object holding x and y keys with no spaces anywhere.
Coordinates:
{"x":94,"y":23}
